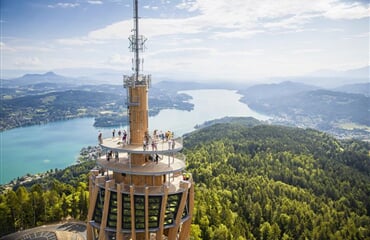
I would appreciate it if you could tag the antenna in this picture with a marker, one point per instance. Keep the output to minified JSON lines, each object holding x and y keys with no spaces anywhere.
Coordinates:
{"x":136,"y":43}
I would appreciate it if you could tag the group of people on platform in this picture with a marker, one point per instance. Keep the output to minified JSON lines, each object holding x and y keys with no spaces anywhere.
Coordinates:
{"x":156,"y":137}
{"x":148,"y":140}
{"x":109,"y":155}
{"x":123,"y":133}
{"x":120,"y":133}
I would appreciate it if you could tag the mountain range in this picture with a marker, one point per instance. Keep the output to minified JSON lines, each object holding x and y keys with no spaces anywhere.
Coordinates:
{"x":46,"y":78}
{"x":310,"y":106}
{"x":288,"y":102}
{"x":322,"y":78}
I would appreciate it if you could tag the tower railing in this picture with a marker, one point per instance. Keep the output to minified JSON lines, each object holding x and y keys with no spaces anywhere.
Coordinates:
{"x":142,"y":80}
{"x":161,"y":146}
{"x":167,"y":164}
{"x":174,"y":186}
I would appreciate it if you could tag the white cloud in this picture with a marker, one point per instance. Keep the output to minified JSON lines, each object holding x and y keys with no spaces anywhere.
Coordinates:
{"x":95,"y":2}
{"x":118,"y":59}
{"x":150,"y":27}
{"x":223,"y":19}
{"x":64,"y":5}
{"x":188,"y":5}
{"x":291,"y":22}
{"x":218,"y":38}
{"x":118,"y":30}
{"x":359,"y":35}
{"x":151,"y":7}
{"x":183,"y":51}
{"x":245,"y":14}
{"x":307,"y":50}
{"x":78,"y":41}
{"x":25,"y":62}
{"x":19,"y":48}
{"x":348,"y":11}
{"x":5,"y":47}
{"x":236,"y":34}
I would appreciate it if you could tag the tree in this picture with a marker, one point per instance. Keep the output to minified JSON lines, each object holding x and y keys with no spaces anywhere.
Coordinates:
{"x":195,"y":232}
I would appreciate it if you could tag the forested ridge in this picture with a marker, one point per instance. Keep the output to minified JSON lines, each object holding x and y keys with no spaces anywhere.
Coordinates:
{"x":252,"y":182}
{"x":274,"y":182}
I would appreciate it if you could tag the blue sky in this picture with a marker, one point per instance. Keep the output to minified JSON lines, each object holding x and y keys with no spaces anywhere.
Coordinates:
{"x":238,"y":40}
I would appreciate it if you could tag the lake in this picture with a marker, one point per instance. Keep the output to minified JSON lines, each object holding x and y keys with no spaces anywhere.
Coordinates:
{"x":40,"y":148}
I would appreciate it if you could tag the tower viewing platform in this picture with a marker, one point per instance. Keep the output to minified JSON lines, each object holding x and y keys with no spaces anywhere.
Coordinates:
{"x":154,"y":146}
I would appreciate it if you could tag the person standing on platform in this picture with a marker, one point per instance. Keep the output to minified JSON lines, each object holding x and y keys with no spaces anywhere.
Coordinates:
{"x":156,"y":158}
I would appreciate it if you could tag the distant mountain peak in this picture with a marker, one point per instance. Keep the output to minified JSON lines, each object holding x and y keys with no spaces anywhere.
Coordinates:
{"x":361,"y":72}
{"x":50,"y":74}
{"x":47,"y":74}
{"x":37,"y":78}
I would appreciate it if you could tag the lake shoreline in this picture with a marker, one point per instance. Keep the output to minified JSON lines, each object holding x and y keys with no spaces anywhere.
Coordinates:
{"x":39,"y":148}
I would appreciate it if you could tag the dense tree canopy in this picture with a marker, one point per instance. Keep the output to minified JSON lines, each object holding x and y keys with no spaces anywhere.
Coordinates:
{"x":63,"y":194}
{"x":273,"y":182}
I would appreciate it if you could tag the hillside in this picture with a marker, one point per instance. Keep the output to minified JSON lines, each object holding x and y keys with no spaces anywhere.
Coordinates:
{"x":275,"y":90}
{"x":53,"y":106}
{"x":32,"y":79}
{"x":358,"y":88}
{"x":272,"y":182}
{"x":306,"y":106}
{"x":45,"y":102}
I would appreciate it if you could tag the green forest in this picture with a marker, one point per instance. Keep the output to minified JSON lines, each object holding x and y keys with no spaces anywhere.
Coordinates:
{"x":274,"y":182}
{"x":252,"y":182}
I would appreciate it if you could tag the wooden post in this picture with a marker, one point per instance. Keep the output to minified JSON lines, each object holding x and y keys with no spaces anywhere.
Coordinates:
{"x":93,"y":191}
{"x":104,"y":219}
{"x":185,"y":229}
{"x":173,"y":231}
{"x":132,"y":205}
{"x":119,"y":234}
{"x":159,"y":235}
{"x":146,"y":208}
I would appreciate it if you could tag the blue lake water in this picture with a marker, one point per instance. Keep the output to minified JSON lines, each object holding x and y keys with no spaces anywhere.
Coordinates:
{"x":40,"y":148}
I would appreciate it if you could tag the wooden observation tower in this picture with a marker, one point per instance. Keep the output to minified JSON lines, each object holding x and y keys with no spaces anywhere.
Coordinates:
{"x":141,"y":190}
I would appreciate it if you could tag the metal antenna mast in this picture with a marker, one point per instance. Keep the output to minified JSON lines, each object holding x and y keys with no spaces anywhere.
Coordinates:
{"x":136,"y":42}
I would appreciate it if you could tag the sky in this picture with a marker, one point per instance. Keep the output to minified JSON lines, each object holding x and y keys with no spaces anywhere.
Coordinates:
{"x":207,"y":40}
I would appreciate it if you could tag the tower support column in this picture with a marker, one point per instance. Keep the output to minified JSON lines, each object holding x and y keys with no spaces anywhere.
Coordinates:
{"x":163,"y":212}
{"x":173,"y":231}
{"x":185,"y":228}
{"x":132,"y":204}
{"x":119,"y":234}
{"x":103,"y":225}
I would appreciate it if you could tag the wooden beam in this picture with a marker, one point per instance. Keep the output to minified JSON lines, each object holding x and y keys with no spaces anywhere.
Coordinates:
{"x":104,"y":219}
{"x":146,"y":208}
{"x":186,"y":226}
{"x":119,"y":234}
{"x":93,"y":192}
{"x":132,"y":205}
{"x":173,"y":231}
{"x":159,"y":235}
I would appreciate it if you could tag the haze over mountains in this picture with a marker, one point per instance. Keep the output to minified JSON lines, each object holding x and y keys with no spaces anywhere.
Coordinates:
{"x":332,"y":79}
{"x":340,"y":109}
{"x":324,"y":78}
